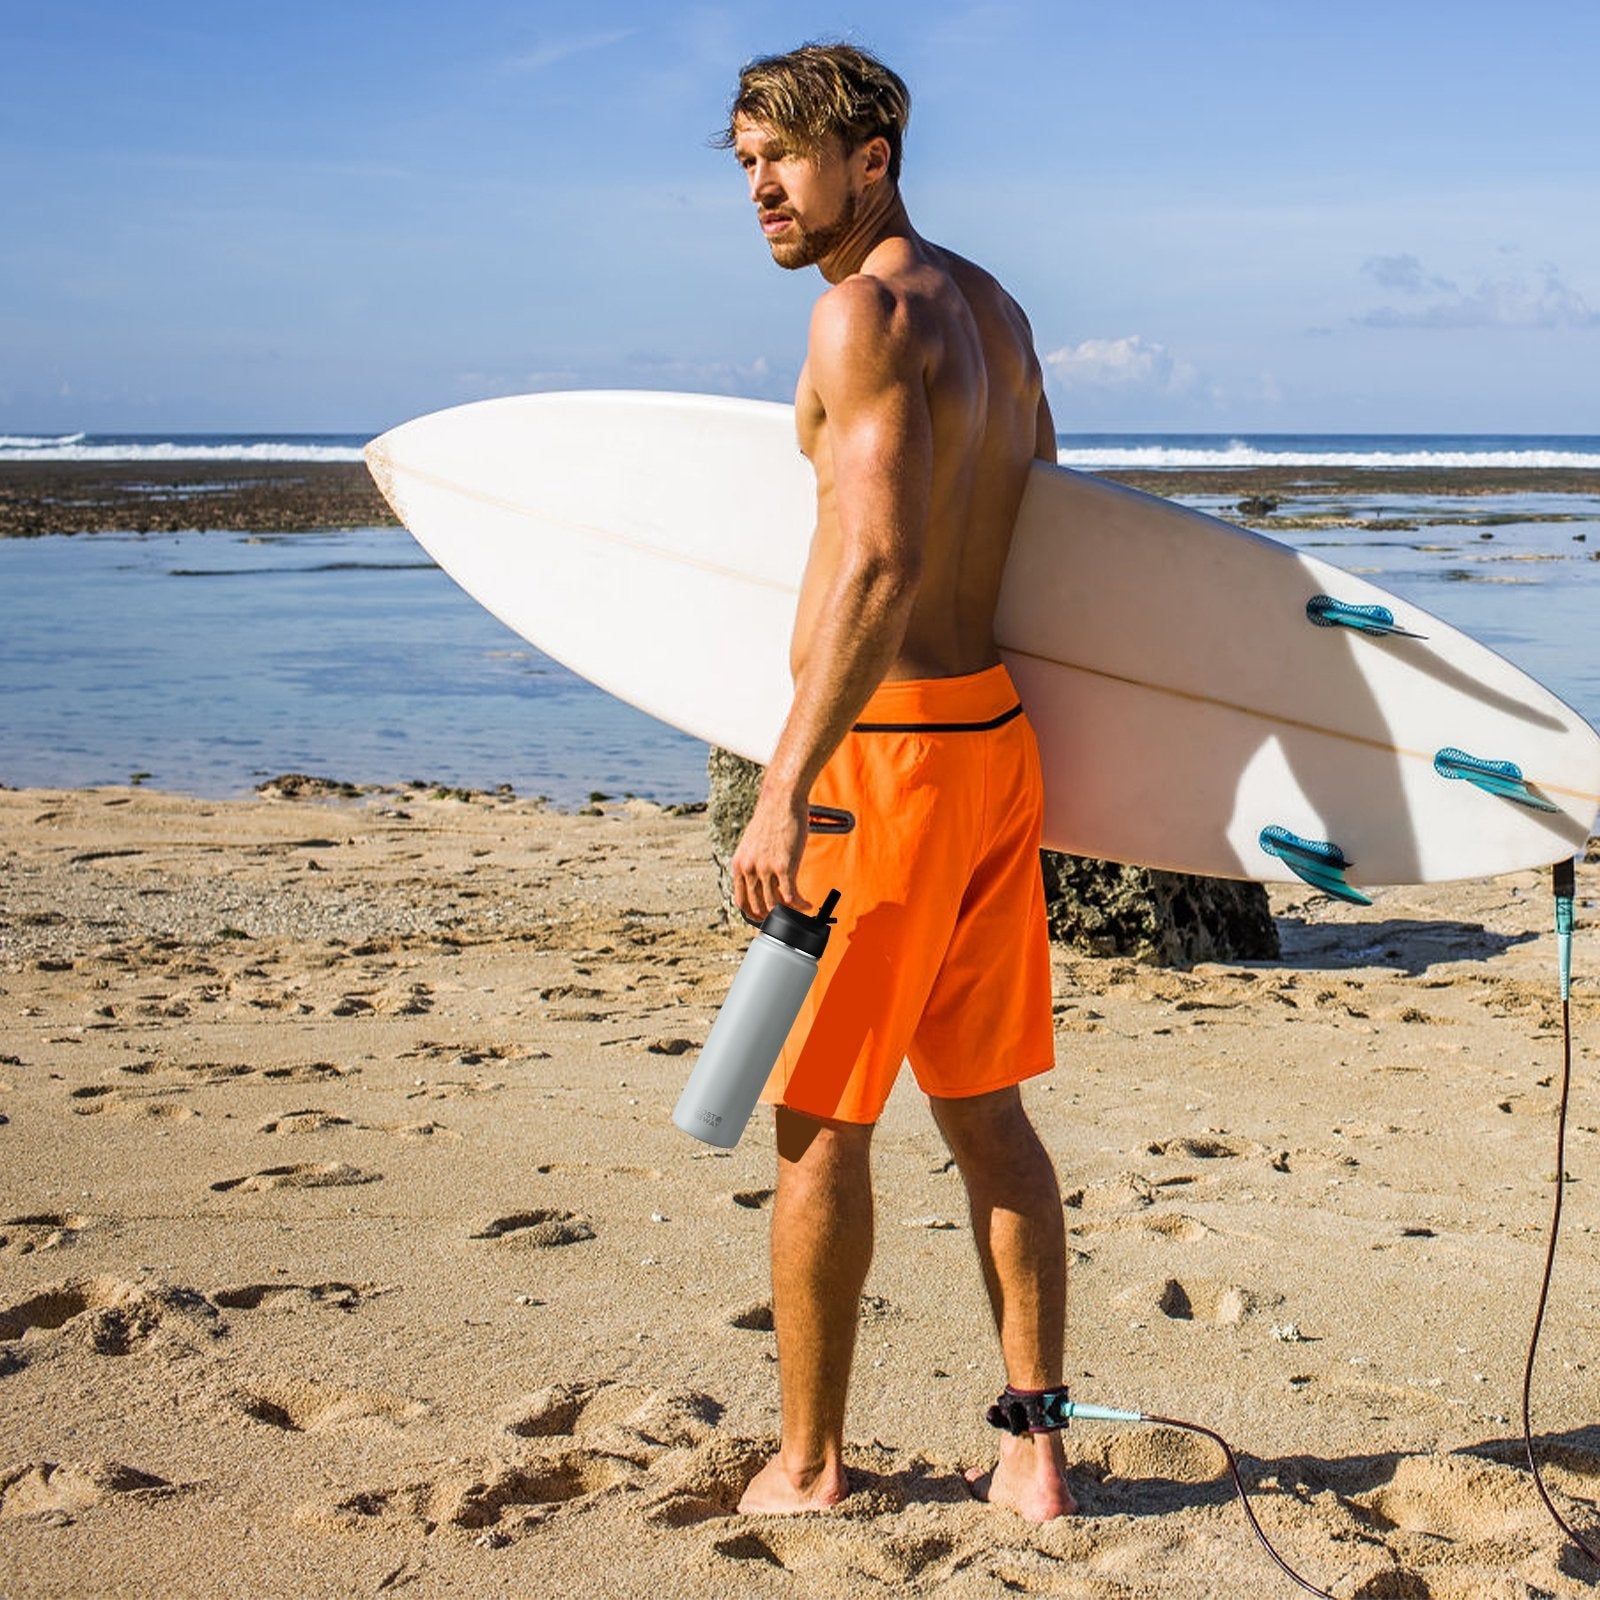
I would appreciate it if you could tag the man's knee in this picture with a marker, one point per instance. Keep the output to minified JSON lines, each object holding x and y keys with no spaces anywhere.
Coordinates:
{"x":982,"y":1125}
{"x":816,"y":1143}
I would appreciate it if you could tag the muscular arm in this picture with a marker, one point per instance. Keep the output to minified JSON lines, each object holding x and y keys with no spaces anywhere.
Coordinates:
{"x":867,"y":371}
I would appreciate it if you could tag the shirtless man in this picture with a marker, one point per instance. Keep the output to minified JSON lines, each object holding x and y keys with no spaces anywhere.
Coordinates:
{"x":920,"y":407}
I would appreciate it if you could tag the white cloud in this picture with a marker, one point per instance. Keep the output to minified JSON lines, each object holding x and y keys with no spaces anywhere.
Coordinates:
{"x":555,"y":51}
{"x":1517,"y":300}
{"x":1133,"y":362}
{"x":756,"y":378}
{"x":1403,"y":273}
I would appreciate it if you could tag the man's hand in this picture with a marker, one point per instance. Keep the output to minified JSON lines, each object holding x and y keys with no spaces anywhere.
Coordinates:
{"x":767,"y":862}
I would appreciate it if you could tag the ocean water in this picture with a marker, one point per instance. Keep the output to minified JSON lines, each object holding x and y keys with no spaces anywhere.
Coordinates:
{"x":210,"y":661}
{"x":1089,"y":452}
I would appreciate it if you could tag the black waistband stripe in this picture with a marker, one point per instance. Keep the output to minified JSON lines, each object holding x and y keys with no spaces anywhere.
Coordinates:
{"x":939,"y":727}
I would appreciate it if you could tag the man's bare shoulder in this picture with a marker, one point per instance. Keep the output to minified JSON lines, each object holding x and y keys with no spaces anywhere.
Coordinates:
{"x":861,"y":322}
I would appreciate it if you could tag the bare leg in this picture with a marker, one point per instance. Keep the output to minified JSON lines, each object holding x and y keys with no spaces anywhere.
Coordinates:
{"x":821,"y":1248}
{"x":1021,"y":1239}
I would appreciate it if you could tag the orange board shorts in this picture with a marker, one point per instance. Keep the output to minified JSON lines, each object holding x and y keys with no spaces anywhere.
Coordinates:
{"x":927,"y":820}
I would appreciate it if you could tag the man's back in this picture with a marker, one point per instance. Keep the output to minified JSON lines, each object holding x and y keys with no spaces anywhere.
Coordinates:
{"x":974,"y":371}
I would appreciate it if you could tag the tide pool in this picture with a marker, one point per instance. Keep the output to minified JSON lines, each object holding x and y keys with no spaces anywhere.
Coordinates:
{"x":210,"y":661}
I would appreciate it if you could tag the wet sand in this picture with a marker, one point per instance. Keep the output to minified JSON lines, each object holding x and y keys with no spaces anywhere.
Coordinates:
{"x":144,"y":497}
{"x":346,"y":1246}
{"x":40,"y":497}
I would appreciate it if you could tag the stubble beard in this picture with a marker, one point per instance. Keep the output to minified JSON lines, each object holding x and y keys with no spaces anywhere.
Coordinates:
{"x":807,"y":246}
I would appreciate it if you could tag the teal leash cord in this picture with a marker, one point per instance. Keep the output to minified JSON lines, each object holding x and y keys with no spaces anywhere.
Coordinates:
{"x":1564,"y":883}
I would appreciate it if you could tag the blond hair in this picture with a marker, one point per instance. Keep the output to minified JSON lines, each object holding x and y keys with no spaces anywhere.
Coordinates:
{"x":820,"y":92}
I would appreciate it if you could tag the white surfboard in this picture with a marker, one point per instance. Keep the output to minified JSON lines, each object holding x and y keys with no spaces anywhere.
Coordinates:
{"x":1206,"y":699}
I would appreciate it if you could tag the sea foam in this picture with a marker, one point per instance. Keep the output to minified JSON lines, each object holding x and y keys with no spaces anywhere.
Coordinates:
{"x":77,"y":447}
{"x":1239,"y":453}
{"x":33,"y":441}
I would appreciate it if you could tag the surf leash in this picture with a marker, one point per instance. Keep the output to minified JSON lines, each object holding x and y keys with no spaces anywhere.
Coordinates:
{"x":1020,"y":1411}
{"x":1564,"y":882}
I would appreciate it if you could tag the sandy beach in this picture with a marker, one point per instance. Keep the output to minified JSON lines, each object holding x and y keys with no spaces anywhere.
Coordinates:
{"x":347,"y":1248}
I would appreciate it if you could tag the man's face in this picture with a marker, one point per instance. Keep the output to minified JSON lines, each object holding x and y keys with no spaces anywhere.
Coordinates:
{"x":806,"y":203}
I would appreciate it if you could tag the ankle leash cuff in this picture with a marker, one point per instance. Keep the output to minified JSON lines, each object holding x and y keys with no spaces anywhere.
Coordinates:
{"x":1020,"y":1411}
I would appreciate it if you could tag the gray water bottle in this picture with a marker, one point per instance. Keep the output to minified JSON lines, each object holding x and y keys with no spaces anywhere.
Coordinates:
{"x":755,"y":1019}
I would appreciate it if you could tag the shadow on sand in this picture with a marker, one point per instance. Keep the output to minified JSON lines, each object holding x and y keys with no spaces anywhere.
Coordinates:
{"x":1401,"y":944}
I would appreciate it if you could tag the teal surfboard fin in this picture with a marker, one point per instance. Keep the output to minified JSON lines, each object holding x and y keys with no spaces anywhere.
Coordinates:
{"x":1503,"y":778}
{"x":1319,"y":862}
{"x":1378,"y":621}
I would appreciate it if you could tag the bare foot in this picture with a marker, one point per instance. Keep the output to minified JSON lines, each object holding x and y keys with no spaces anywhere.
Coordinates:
{"x":775,"y":1491}
{"x":1030,"y":1479}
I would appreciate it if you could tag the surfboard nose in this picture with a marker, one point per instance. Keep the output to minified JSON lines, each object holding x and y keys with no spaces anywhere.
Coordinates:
{"x":381,"y":465}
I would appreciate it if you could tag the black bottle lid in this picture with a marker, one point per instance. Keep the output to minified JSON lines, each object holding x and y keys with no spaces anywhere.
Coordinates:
{"x":808,"y":934}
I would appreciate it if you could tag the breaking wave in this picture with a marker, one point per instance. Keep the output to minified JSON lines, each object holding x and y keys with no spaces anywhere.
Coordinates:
{"x":1325,"y":453}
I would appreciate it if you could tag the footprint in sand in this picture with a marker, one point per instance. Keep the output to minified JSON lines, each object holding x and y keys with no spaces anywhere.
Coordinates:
{"x":425,"y":1129}
{"x":207,"y":1072}
{"x":309,"y":1072}
{"x":1205,"y":1147}
{"x":1136,"y":1455}
{"x":1173,"y":1226}
{"x":295,"y":1296}
{"x":854,"y":1559}
{"x":44,"y":1230}
{"x":757,"y":1316}
{"x":1453,"y":1497}
{"x":708,"y":1484}
{"x":417,"y":1001}
{"x":525,"y":1492}
{"x":454,"y":1089}
{"x":1128,"y":1191}
{"x":564,"y":1003}
{"x":160,"y":1105}
{"x":625,"y":1415}
{"x":1442,"y":1524}
{"x":499,"y":1495}
{"x":318,"y":1175}
{"x":300,"y":1406}
{"x":110,"y":1316}
{"x":311,"y":1120}
{"x":472,"y":1055}
{"x":1208,"y":1300}
{"x":55,"y":1492}
{"x":539,"y":1230}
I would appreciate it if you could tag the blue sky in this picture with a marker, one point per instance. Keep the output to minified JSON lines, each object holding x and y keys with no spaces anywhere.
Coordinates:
{"x":1242,"y":216}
